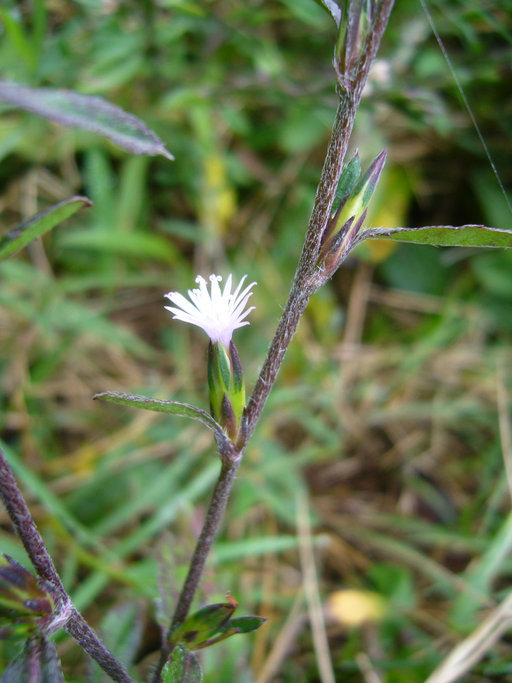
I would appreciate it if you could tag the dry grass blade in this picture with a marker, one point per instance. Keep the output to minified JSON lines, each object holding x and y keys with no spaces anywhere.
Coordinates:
{"x":284,"y":641}
{"x":310,"y":579}
{"x":504,"y":425}
{"x":474,"y":647}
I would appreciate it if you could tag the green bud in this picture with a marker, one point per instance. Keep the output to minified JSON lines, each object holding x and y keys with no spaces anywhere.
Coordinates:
{"x":355,"y":22}
{"x":350,"y":214}
{"x":227,"y":388}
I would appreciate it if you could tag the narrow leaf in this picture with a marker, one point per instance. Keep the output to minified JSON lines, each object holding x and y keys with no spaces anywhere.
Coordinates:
{"x":333,"y":8}
{"x":39,"y":224}
{"x":170,"y":407}
{"x":444,"y":235}
{"x":232,"y":628}
{"x":183,"y":667}
{"x":348,"y":179}
{"x":243,"y":624}
{"x":87,"y":112}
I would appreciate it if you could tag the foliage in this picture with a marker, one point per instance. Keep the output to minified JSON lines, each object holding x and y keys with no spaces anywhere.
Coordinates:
{"x":387,"y":405}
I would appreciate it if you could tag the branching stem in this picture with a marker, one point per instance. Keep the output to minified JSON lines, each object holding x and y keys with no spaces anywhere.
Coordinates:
{"x":306,"y":281}
{"x":308,"y":278}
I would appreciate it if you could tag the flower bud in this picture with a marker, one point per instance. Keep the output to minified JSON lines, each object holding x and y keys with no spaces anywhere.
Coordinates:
{"x":227,"y":388}
{"x":348,"y":218}
{"x":355,"y":23}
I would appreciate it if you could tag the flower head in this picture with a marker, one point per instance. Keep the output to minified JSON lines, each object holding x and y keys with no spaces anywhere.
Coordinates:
{"x":217,"y":312}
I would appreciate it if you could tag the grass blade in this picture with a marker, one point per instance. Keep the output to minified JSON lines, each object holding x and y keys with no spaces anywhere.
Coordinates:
{"x":39,"y":224}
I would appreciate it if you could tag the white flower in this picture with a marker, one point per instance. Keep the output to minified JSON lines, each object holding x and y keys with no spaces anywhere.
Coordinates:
{"x":217,"y":313}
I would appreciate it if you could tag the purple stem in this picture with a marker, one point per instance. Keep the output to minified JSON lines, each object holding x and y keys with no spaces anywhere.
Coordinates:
{"x":33,"y":543}
{"x":27,"y":531}
{"x":307,"y":278}
{"x":204,"y":543}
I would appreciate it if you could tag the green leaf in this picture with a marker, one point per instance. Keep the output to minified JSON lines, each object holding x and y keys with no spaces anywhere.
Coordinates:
{"x":169,"y":407}
{"x":333,"y":8}
{"x":243,"y":625}
{"x":39,"y":224}
{"x":348,"y":179}
{"x":183,"y":667}
{"x":204,"y":624}
{"x":87,"y":112}
{"x":444,"y":235}
{"x":234,"y":627}
{"x":14,"y":32}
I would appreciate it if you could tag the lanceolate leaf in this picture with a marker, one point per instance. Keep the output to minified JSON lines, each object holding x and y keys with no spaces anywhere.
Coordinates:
{"x":444,"y":235}
{"x":333,"y":8}
{"x":243,"y":625}
{"x":88,"y":112}
{"x":39,"y":224}
{"x":170,"y":407}
{"x":232,"y":628}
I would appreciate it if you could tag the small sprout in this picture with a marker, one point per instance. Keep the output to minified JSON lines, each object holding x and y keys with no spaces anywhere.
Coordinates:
{"x":213,"y":623}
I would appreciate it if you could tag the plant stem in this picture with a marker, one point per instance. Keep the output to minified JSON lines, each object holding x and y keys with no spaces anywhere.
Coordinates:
{"x":204,"y":543}
{"x":306,"y":281}
{"x":27,"y":531}
{"x":307,"y":277}
{"x":33,"y":543}
{"x":80,"y":630}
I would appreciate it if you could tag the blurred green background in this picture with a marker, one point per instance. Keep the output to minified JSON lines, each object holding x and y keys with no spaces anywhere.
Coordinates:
{"x":392,"y":409}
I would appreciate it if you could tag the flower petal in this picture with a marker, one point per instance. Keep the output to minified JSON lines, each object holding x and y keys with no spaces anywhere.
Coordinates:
{"x":218,"y":312}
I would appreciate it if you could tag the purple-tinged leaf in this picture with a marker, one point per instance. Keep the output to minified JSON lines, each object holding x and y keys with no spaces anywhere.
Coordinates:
{"x":444,"y":235}
{"x":38,"y":663}
{"x":39,"y":224}
{"x":88,"y":112}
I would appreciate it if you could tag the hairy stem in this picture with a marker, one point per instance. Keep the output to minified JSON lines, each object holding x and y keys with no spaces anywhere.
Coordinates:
{"x":204,"y":543}
{"x":306,"y":281}
{"x":80,"y":630}
{"x":67,"y":616}
{"x":26,"y":529}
